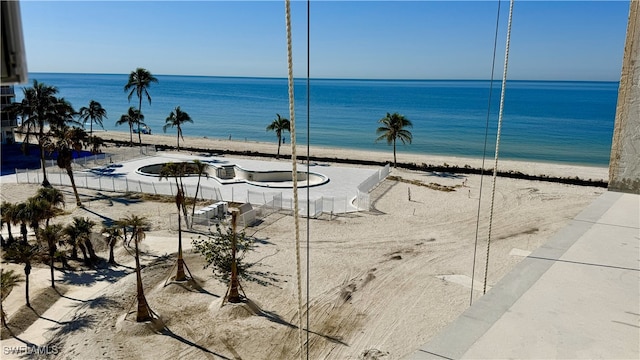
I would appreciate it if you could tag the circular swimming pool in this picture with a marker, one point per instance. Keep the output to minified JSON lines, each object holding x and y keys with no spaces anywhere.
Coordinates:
{"x":235,"y":174}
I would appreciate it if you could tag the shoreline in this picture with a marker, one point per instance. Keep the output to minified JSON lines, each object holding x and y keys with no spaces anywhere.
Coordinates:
{"x":579,"y":174}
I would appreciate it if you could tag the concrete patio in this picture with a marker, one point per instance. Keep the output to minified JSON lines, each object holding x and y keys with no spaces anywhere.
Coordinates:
{"x":576,"y":297}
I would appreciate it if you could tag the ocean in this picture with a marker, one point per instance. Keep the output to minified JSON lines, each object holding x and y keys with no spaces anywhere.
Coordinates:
{"x":545,"y":121}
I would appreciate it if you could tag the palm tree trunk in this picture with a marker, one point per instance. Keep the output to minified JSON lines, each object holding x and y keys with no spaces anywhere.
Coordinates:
{"x":111,"y":258}
{"x":3,"y":315}
{"x":394,"y":152}
{"x":73,"y":184}
{"x":92,"y":253}
{"x":130,"y":134}
{"x":10,"y":237}
{"x":45,"y":182}
{"x":52,"y":253}
{"x":74,"y":250}
{"x":139,"y":113}
{"x":180,"y":276}
{"x":279,"y":142}
{"x":234,"y":295}
{"x":195,"y":198}
{"x":84,"y":253}
{"x":143,"y":313}
{"x":27,"y":271}
{"x":23,"y":231}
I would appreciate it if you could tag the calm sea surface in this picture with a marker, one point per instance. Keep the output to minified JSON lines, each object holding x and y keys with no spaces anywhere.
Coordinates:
{"x":549,"y":121}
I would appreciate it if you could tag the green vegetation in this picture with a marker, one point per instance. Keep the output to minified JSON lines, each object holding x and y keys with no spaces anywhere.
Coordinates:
{"x":279,"y":125}
{"x":393,"y":128}
{"x":176,"y":119}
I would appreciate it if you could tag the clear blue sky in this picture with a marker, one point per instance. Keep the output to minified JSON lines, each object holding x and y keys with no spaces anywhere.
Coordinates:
{"x":573,"y":40}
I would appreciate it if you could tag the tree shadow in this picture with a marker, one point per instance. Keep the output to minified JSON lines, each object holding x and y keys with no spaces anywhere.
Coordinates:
{"x":167,"y":332}
{"x":105,"y":220}
{"x":88,"y":278}
{"x":274,"y":317}
{"x":78,"y":323}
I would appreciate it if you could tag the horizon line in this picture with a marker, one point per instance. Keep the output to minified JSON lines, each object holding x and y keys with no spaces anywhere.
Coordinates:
{"x":322,"y":78}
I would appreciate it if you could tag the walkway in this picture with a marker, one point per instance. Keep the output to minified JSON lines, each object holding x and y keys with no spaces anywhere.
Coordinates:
{"x":578,"y":296}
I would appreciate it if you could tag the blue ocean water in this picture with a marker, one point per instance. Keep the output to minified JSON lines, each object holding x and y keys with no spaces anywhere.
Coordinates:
{"x":548,"y":121}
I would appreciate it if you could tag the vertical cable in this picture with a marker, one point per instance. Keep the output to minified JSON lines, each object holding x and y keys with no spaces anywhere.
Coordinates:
{"x":484,"y":150}
{"x":495,"y":165}
{"x":296,"y":215}
{"x":308,"y":159}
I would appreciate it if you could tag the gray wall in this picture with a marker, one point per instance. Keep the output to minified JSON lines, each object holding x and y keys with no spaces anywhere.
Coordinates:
{"x":624,"y":166}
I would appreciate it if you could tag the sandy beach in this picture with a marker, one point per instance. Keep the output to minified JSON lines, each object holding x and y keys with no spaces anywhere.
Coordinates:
{"x":381,"y":282}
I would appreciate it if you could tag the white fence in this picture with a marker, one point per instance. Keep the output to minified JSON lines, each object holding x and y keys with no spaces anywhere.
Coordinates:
{"x":95,"y":181}
{"x":363,"y":200}
{"x":268,"y":202}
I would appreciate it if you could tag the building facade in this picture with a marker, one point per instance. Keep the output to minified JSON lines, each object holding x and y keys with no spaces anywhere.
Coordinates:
{"x":9,"y":121}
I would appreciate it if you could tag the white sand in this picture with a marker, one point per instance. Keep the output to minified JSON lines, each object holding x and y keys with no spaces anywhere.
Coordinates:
{"x":387,"y":280}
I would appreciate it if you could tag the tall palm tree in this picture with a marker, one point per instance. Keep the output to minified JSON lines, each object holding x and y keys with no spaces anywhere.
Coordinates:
{"x":8,"y":280}
{"x":279,"y":124}
{"x":37,"y":108}
{"x":92,"y":113}
{"x":8,"y":213}
{"x":51,"y":235}
{"x":131,"y":118}
{"x":139,"y":83}
{"x":65,"y":140}
{"x":137,"y":225}
{"x":177,"y":170}
{"x":114,"y":233}
{"x":393,"y":128}
{"x":177,"y":118}
{"x":24,"y":254}
{"x":202,"y":169}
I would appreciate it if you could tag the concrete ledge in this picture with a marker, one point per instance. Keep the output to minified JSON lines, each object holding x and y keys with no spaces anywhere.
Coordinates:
{"x":455,"y":340}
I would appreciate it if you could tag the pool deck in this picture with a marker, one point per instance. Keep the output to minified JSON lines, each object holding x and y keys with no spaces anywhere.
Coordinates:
{"x":576,"y":297}
{"x":342,"y":184}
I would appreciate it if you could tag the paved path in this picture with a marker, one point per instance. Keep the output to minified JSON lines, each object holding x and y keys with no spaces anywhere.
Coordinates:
{"x":577,"y":297}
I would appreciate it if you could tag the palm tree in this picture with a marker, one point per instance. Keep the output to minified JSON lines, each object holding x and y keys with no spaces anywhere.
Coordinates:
{"x":202,"y":169}
{"x":393,"y":128}
{"x":177,"y":171}
{"x":54,"y":198}
{"x":24,"y":254}
{"x":22,"y":216}
{"x":79,"y":235}
{"x":114,"y":233}
{"x":65,"y":141}
{"x":137,"y":225}
{"x":8,"y":213}
{"x":38,"y":210}
{"x":279,"y":125}
{"x":177,"y":118}
{"x":36,"y":110}
{"x":95,"y":142}
{"x":139,"y":83}
{"x":93,"y":113}
{"x":131,"y":118}
{"x":51,"y":235}
{"x":8,"y":280}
